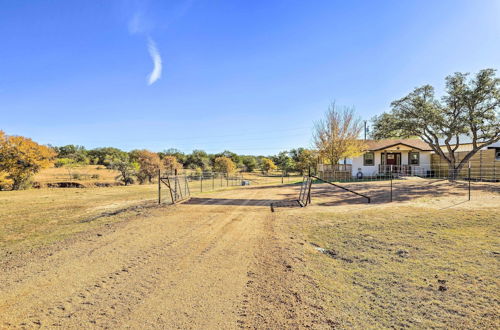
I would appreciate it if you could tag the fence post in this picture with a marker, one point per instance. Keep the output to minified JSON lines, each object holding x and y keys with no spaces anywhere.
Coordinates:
{"x":227,"y":180}
{"x":213,"y":181}
{"x":480,"y":165}
{"x":469,"y":181}
{"x":201,"y":182}
{"x":159,"y":187}
{"x":391,"y":187}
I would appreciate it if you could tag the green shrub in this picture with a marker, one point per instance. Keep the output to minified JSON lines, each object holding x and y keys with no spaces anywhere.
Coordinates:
{"x":60,"y":162}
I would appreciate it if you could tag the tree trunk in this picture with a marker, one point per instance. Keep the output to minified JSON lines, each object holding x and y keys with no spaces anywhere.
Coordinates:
{"x":452,"y":173}
{"x":454,"y":170}
{"x":16,"y":184}
{"x":19,"y":183}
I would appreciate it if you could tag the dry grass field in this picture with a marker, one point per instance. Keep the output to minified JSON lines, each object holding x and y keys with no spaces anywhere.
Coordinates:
{"x":429,"y":260}
{"x":98,"y":175}
{"x":108,"y":257}
{"x":86,"y":175}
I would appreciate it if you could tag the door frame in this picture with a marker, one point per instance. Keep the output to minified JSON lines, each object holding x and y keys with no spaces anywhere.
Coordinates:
{"x":393,"y":153}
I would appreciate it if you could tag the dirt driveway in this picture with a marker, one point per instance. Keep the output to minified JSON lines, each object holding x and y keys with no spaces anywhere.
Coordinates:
{"x":213,"y":262}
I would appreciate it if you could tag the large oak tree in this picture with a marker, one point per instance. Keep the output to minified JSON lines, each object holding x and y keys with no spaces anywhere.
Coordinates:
{"x":470,"y":107}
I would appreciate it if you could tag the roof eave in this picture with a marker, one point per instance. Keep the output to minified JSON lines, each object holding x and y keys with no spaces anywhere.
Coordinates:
{"x":399,"y":143}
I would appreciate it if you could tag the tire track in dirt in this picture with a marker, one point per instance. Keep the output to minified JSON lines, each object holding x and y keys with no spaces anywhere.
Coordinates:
{"x":121,"y":275}
{"x":279,"y":294}
{"x":203,"y":290}
{"x":107,"y":298}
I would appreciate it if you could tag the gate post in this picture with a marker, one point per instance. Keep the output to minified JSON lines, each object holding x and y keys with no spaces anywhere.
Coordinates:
{"x":391,"y":187}
{"x":159,"y":186}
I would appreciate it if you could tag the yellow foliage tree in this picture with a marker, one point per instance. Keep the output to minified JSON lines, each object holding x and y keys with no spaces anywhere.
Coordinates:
{"x":149,"y":164}
{"x":224,"y":165}
{"x":170,"y":163}
{"x":21,"y":158}
{"x":267,"y":165}
{"x":337,"y":135}
{"x":5,"y":182}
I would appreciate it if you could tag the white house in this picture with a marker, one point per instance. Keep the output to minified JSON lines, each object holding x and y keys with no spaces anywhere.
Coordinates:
{"x":405,"y":156}
{"x":402,"y":156}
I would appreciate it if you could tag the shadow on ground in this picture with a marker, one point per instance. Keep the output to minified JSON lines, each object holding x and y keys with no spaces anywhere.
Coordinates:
{"x":402,"y":190}
{"x":229,"y":201}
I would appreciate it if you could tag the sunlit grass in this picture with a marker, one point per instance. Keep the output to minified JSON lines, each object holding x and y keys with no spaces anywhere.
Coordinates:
{"x":38,"y":216}
{"x":406,"y":267}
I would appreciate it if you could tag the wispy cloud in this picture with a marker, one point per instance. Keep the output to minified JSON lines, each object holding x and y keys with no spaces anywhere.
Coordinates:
{"x":135,"y":23}
{"x":157,"y":66}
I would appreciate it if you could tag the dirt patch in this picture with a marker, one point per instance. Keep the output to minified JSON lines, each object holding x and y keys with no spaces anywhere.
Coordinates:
{"x":118,"y":209}
{"x":180,"y":266}
{"x":223,"y":260}
{"x":280,"y":293}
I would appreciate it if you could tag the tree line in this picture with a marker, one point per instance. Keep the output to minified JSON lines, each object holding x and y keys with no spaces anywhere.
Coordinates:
{"x":21,"y":158}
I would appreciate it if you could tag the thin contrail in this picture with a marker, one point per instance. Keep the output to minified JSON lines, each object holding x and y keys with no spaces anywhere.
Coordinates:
{"x":155,"y":56}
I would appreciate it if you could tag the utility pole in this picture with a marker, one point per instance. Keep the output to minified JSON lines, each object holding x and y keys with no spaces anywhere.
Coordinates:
{"x":365,"y":130}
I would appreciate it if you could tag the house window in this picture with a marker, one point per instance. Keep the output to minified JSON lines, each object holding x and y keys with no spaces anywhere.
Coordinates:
{"x":497,"y":155}
{"x":414,"y":158}
{"x":369,"y":159}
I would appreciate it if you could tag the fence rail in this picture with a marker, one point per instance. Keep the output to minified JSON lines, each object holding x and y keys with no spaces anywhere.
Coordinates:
{"x":182,"y":185}
{"x":334,"y":168}
{"x":487,"y":173}
{"x":213,"y":180}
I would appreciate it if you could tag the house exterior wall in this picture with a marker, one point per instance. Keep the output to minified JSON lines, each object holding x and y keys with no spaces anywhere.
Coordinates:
{"x":484,"y":165}
{"x":357,"y":165}
{"x":425,"y":163}
{"x":469,"y":147}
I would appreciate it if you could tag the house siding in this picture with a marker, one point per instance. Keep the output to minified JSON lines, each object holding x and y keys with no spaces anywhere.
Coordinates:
{"x":425,"y":163}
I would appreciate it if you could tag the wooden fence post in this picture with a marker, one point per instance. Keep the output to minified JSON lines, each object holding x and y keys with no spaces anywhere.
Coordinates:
{"x":159,"y":187}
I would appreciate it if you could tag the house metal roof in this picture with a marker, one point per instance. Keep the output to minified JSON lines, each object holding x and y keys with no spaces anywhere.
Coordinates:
{"x":375,"y":145}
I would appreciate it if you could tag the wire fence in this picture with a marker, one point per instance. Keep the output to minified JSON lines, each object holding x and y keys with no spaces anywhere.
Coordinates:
{"x":304,"y":197}
{"x":209,"y":181}
{"x":397,"y":185}
{"x":185,"y":184}
{"x":180,"y":186}
{"x":474,"y":172}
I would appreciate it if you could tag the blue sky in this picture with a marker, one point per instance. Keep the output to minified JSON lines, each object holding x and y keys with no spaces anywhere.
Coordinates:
{"x":248,"y":76}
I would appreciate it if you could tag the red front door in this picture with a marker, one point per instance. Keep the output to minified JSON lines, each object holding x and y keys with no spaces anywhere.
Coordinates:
{"x":392,"y":159}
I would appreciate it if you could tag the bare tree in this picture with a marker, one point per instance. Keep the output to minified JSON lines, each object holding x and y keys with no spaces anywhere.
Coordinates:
{"x":336,"y":136}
